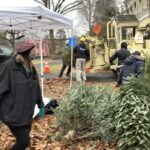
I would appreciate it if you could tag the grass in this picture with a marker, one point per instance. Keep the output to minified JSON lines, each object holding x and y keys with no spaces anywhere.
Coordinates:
{"x":55,"y":68}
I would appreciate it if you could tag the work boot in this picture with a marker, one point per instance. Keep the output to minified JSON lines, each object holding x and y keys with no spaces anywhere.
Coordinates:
{"x":59,"y":76}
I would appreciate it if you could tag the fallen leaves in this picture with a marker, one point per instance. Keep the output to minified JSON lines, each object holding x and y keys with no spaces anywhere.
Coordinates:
{"x":44,"y":134}
{"x":56,"y":88}
{"x":6,"y":138}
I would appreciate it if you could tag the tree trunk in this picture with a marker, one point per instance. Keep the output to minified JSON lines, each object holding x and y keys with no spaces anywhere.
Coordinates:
{"x":45,"y":2}
{"x":13,"y":39}
{"x":52,"y":43}
{"x":90,"y":18}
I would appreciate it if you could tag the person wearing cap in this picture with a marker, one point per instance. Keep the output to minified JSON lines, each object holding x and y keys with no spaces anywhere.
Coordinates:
{"x":66,"y":60}
{"x":81,"y":54}
{"x":121,"y":54}
{"x":133,"y":66}
{"x":19,"y":93}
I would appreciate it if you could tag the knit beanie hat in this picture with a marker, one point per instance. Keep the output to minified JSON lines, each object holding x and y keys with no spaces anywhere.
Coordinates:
{"x":23,"y":45}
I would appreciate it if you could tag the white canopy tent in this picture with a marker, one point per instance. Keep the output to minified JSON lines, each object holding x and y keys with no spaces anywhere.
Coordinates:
{"x":30,"y":15}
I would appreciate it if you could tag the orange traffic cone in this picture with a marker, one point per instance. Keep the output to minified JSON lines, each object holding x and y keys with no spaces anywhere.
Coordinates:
{"x":47,"y":68}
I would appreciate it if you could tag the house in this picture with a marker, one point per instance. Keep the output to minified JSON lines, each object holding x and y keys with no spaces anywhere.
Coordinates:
{"x":141,"y":10}
{"x":45,"y":48}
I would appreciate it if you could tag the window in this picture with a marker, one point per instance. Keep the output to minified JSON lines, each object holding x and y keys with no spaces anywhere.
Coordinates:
{"x":128,"y":33}
{"x":5,"y":50}
{"x":131,"y":10}
{"x":127,"y":11}
{"x":147,"y":32}
{"x":135,"y":4}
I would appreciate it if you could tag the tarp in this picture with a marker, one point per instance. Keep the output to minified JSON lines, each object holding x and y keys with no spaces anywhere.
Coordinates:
{"x":28,"y":14}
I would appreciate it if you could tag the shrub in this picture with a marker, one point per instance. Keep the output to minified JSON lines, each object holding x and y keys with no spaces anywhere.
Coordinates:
{"x":133,"y":114}
{"x":88,"y":111}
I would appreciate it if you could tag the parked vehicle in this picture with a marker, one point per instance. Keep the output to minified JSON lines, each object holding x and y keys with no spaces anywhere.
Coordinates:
{"x":5,"y":53}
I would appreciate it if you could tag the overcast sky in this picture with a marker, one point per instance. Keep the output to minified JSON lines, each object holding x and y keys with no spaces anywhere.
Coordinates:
{"x":79,"y":28}
{"x":73,"y":15}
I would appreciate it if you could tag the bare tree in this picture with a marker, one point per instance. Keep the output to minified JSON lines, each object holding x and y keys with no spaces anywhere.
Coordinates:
{"x":8,"y":37}
{"x":61,"y":7}
{"x":86,"y":11}
{"x":61,"y":34}
{"x":97,"y":11}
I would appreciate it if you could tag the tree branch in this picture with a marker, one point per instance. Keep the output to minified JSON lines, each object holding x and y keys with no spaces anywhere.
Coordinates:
{"x":56,"y":4}
{"x":69,"y":11}
{"x":69,"y":8}
{"x":69,"y":5}
{"x":57,"y":8}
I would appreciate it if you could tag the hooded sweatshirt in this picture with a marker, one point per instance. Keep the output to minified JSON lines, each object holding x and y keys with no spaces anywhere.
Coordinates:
{"x":133,"y":66}
{"x":80,"y":51}
{"x":121,"y":54}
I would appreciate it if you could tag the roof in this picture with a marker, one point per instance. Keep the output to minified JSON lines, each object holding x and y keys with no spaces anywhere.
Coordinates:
{"x":126,"y":18}
{"x":143,"y":24}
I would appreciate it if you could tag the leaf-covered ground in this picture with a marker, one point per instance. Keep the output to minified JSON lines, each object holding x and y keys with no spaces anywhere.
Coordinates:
{"x":44,"y":131}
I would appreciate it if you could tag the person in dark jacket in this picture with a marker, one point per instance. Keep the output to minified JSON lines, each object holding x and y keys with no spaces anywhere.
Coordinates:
{"x":66,"y":60}
{"x":19,"y":93}
{"x":133,"y":66}
{"x":81,"y":54}
{"x":121,"y":54}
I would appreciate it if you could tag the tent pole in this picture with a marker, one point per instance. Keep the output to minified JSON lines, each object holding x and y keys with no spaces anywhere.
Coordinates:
{"x":71,"y":56}
{"x":41,"y":58}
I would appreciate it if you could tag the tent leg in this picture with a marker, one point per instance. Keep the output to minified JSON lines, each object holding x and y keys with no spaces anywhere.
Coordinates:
{"x":71,"y":77}
{"x":41,"y":58}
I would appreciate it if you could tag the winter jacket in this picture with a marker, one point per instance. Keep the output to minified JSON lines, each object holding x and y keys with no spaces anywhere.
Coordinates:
{"x":80,"y":51}
{"x":121,"y":54}
{"x":65,"y":54}
{"x":133,"y":66}
{"x":19,"y":93}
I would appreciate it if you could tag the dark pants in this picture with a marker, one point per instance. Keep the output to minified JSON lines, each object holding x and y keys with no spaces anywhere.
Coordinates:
{"x":64,"y":66}
{"x":22,"y":137}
